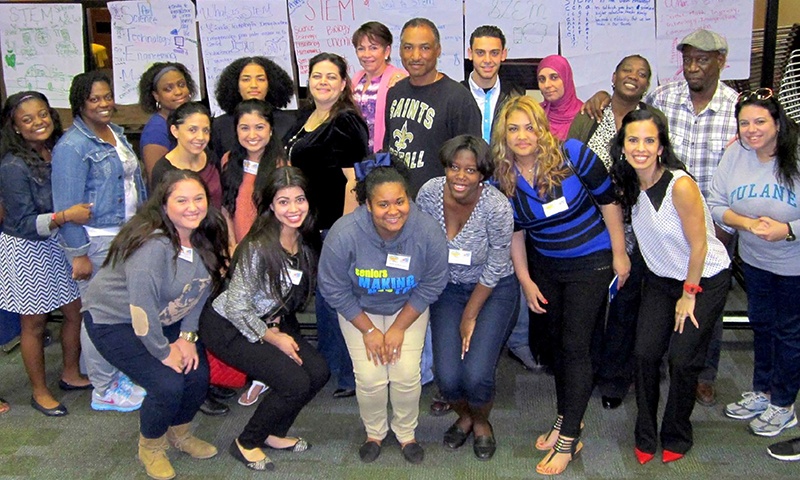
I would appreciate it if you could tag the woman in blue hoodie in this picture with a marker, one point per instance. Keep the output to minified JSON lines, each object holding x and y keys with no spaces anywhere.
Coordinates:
{"x":381,"y":267}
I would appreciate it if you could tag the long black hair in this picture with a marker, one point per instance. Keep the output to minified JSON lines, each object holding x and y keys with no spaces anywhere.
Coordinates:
{"x":233,"y":172}
{"x":209,"y":239}
{"x":262,"y":244}
{"x":786,"y":155}
{"x":624,"y":176}
{"x":280,"y":87}
{"x":13,"y":143}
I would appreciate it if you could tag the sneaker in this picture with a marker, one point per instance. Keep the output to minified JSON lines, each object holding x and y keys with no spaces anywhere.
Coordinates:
{"x":751,"y":405}
{"x":788,"y":450}
{"x":116,"y":399}
{"x":773,"y":421}
{"x":127,"y":386}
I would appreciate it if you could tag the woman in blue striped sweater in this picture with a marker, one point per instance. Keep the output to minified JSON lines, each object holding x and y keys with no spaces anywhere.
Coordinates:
{"x":564,"y":207}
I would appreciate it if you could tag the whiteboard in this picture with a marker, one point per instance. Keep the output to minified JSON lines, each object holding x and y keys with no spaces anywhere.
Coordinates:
{"x":328,"y":26}
{"x":146,"y":32}
{"x":42,"y":48}
{"x":597,"y":34}
{"x":530,"y":26}
{"x":245,"y":28}
{"x":733,"y":19}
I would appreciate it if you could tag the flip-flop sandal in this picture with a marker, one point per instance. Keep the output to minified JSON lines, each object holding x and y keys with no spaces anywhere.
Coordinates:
{"x":251,"y":395}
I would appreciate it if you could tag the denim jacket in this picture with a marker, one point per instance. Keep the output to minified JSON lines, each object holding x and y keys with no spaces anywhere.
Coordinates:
{"x":87,"y":169}
{"x":28,"y":201}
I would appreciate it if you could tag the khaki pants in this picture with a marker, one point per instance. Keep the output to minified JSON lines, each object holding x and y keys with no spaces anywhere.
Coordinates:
{"x":400,"y":383}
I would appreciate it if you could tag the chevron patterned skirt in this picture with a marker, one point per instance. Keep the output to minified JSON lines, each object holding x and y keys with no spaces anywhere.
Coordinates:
{"x":35,"y":277}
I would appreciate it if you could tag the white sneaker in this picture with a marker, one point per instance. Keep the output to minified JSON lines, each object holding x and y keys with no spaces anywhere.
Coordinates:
{"x":116,"y":399}
{"x":126,"y":384}
{"x":751,"y":405}
{"x":773,"y":421}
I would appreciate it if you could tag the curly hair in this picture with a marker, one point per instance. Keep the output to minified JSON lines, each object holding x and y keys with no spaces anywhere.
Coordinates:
{"x":280,"y":87}
{"x":209,"y":239}
{"x":626,"y":181}
{"x":13,"y":143}
{"x":147,"y":84}
{"x":786,"y":154}
{"x":233,"y":172}
{"x":263,"y":241}
{"x":549,"y":168}
{"x":345,"y":100}
{"x":81,"y":89}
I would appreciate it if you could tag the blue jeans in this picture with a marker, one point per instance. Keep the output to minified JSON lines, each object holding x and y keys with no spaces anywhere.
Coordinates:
{"x":774,"y":315}
{"x":172,"y":398}
{"x":519,"y":334}
{"x":471,"y":379}
{"x":331,"y":343}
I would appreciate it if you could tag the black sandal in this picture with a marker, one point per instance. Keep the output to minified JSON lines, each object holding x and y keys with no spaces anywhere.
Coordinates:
{"x":555,"y":428}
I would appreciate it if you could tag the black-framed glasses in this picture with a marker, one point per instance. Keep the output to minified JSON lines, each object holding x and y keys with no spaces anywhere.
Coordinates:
{"x":763,"y":93}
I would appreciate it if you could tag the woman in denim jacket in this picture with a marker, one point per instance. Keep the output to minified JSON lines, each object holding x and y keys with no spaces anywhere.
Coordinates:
{"x":33,"y":269}
{"x":94,"y":163}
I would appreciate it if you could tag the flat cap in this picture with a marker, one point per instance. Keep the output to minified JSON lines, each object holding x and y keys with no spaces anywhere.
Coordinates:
{"x":705,"y":40}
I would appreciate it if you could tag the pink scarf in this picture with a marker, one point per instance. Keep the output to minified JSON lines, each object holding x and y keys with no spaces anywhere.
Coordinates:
{"x":561,"y":112}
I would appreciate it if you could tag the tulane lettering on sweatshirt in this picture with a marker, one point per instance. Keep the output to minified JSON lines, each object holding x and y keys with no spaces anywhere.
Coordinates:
{"x":773,"y":191}
{"x":378,"y":281}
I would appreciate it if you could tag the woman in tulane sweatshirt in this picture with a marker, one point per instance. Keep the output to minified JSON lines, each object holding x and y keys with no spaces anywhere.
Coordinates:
{"x":380,"y":269}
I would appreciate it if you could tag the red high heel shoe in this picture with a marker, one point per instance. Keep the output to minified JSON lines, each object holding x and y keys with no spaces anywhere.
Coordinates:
{"x":669,"y":456}
{"x":643,"y":457}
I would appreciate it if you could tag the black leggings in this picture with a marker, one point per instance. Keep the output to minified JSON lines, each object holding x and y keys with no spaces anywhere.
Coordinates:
{"x":574,"y":301}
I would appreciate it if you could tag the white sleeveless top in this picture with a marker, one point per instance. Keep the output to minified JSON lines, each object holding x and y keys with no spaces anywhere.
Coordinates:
{"x":662,"y":242}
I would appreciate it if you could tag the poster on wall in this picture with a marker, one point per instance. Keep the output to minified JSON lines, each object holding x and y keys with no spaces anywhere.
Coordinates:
{"x":42,"y":48}
{"x":245,"y":28}
{"x":146,"y":32}
{"x":530,"y":26}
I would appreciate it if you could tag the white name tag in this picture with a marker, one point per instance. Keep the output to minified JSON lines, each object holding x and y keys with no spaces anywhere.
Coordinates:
{"x":186,"y":254}
{"x":295,"y":275}
{"x":398,"y":261}
{"x":556,"y":206}
{"x":460,"y":257}
{"x":250,"y":167}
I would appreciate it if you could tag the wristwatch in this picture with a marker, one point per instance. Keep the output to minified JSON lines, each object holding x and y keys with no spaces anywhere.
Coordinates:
{"x":190,"y":337}
{"x":790,"y":237}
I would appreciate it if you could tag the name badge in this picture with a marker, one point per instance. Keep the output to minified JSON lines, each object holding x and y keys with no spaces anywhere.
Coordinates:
{"x":398,"y":261}
{"x":556,"y":206}
{"x":295,"y":275}
{"x":250,"y":167}
{"x":460,"y":257}
{"x":186,"y":254}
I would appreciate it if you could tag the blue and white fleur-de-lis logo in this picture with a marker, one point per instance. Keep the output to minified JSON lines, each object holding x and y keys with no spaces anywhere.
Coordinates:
{"x":403,"y":137}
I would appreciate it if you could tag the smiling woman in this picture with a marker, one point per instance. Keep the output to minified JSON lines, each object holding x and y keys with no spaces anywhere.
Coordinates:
{"x":190,"y":125}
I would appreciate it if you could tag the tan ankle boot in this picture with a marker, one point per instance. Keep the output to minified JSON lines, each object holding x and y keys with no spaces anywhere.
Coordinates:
{"x":180,"y":436}
{"x":153,"y":454}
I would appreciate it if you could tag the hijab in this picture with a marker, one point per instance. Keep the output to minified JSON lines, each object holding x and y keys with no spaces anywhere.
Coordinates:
{"x":561,"y":112}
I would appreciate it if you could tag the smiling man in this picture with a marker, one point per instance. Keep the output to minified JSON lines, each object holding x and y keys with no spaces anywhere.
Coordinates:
{"x":427,"y":108}
{"x":487,"y":50}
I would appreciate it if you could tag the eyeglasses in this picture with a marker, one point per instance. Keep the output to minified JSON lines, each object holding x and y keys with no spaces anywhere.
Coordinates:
{"x":759,"y":94}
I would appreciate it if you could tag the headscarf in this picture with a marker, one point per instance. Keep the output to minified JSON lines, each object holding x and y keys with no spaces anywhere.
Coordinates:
{"x":560,"y":113}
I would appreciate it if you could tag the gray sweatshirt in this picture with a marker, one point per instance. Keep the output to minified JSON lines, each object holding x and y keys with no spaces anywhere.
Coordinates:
{"x":353,"y":271}
{"x":749,"y":187}
{"x":150,"y":289}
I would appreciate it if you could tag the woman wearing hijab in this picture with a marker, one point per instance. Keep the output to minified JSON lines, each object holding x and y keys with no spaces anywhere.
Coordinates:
{"x":561,"y":104}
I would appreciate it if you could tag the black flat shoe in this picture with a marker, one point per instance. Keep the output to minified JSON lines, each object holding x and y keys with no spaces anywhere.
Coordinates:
{"x":301,"y":445}
{"x":439,"y":408}
{"x":484,"y":447}
{"x":344,"y":392}
{"x":221,"y":393}
{"x":413,"y":453}
{"x":57,"y":411}
{"x":261,"y":465}
{"x":69,"y":387}
{"x":610,"y":403}
{"x":369,"y":451}
{"x":214,"y":408}
{"x":454,"y":437}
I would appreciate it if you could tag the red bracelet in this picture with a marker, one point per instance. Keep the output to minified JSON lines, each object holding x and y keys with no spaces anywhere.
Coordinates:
{"x":692,"y":289}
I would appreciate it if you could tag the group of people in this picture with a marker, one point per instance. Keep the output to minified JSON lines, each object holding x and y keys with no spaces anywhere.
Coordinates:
{"x":423,"y":215}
